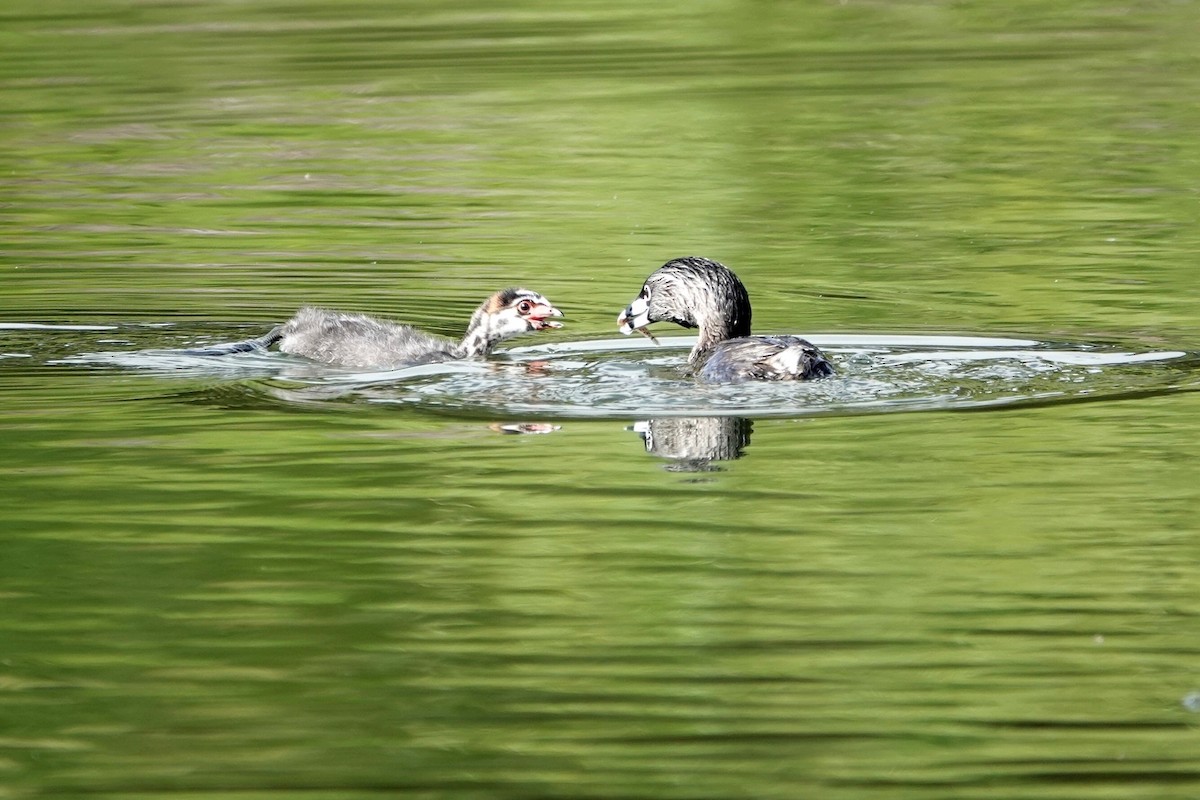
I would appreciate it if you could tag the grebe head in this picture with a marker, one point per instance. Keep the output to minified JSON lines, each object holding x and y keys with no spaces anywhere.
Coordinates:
{"x":506,"y":313}
{"x":692,"y":292}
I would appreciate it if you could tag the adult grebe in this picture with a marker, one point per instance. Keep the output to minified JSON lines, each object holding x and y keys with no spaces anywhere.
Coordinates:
{"x":700,"y":293}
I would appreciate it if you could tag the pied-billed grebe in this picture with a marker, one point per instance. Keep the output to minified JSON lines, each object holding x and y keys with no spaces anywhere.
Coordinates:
{"x":700,"y":293}
{"x":360,"y":341}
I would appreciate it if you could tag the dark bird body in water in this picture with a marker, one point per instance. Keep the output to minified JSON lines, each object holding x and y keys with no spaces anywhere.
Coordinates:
{"x":699,"y":293}
{"x":360,"y":341}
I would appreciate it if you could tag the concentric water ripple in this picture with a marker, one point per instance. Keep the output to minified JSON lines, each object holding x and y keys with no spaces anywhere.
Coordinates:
{"x":635,"y":378}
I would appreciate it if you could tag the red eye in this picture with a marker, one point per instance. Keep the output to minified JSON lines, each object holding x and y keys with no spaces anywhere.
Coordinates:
{"x":525,"y":307}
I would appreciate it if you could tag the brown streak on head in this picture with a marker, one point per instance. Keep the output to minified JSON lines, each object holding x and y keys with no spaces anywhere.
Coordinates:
{"x":494,"y":303}
{"x":504,"y":298}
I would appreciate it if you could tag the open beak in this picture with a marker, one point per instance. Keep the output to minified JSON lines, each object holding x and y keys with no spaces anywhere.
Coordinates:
{"x":635,"y":316}
{"x":538,"y":317}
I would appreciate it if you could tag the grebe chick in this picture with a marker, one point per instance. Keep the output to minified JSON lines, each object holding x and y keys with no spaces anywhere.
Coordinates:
{"x":360,"y":341}
{"x":700,"y":293}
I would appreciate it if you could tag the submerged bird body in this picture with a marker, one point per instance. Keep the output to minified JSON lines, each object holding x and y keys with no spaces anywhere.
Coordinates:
{"x":699,"y":293}
{"x":357,"y":340}
{"x":765,"y":358}
{"x":360,"y":341}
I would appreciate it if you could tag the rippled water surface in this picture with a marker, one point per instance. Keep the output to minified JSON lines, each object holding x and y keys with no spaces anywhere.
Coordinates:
{"x":572,"y":571}
{"x":615,"y":379}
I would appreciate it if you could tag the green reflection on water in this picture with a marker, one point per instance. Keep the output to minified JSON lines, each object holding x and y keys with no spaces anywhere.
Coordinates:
{"x":957,"y":601}
{"x":208,"y":594}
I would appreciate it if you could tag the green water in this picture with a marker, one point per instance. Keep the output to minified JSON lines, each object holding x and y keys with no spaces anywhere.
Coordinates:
{"x":213,"y":587}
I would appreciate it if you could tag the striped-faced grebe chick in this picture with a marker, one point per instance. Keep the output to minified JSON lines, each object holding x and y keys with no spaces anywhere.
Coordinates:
{"x":360,"y":341}
{"x":699,"y":293}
